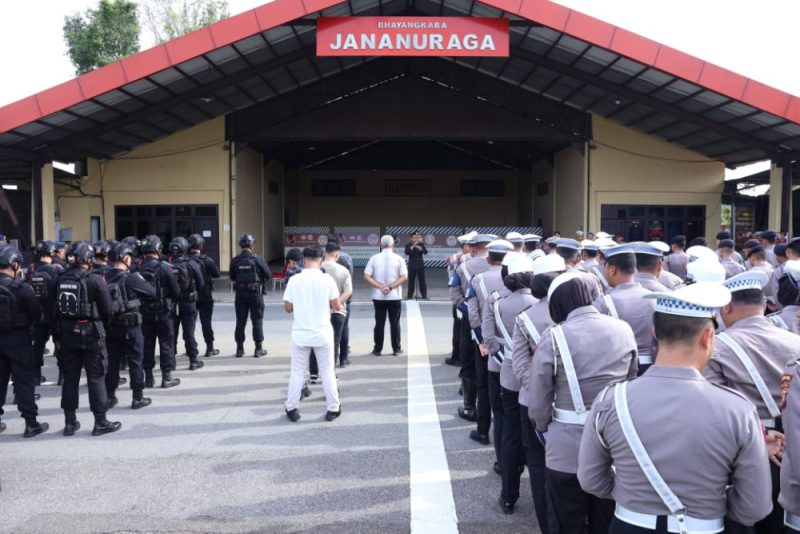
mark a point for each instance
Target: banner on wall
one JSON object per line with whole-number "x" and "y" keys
{"x": 361, "y": 242}
{"x": 441, "y": 241}
{"x": 300, "y": 237}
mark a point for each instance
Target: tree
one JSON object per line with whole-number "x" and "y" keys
{"x": 103, "y": 35}
{"x": 167, "y": 19}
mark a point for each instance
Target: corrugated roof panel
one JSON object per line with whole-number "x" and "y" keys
{"x": 540, "y": 39}
{"x": 491, "y": 66}
{"x": 32, "y": 128}
{"x": 540, "y": 79}
{"x": 516, "y": 70}
{"x": 789, "y": 129}
{"x": 222, "y": 55}
{"x": 195, "y": 66}
{"x": 481, "y": 10}
{"x": 628, "y": 114}
{"x": 303, "y": 71}
{"x": 765, "y": 119}
{"x": 683, "y": 87}
{"x": 58, "y": 119}
{"x": 582, "y": 98}
{"x": 233, "y": 66}
{"x": 251, "y": 44}
{"x": 280, "y": 80}
{"x": 326, "y": 65}
{"x": 590, "y": 65}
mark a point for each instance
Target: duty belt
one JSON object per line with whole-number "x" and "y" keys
{"x": 569, "y": 417}
{"x": 648, "y": 521}
{"x": 791, "y": 520}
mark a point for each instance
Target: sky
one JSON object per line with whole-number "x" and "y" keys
{"x": 754, "y": 38}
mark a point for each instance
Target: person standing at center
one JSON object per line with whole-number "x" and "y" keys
{"x": 415, "y": 250}
{"x": 386, "y": 272}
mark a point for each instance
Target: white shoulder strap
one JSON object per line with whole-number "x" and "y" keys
{"x": 758, "y": 380}
{"x": 612, "y": 309}
{"x": 670, "y": 500}
{"x": 569, "y": 369}
{"x": 596, "y": 271}
{"x": 533, "y": 332}
{"x": 778, "y": 321}
{"x": 499, "y": 322}
{"x": 466, "y": 271}
{"x": 482, "y": 285}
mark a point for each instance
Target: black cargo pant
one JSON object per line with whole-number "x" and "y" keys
{"x": 483, "y": 405}
{"x": 467, "y": 350}
{"x": 17, "y": 363}
{"x": 534, "y": 458}
{"x": 570, "y": 506}
{"x": 83, "y": 346}
{"x": 159, "y": 327}
{"x": 511, "y": 452}
{"x": 125, "y": 343}
{"x": 249, "y": 303}
{"x": 454, "y": 355}
{"x": 205, "y": 309}
{"x": 186, "y": 319}
{"x": 40, "y": 333}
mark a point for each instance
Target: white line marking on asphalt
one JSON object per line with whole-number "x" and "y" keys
{"x": 432, "y": 506}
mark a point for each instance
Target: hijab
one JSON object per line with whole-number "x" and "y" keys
{"x": 568, "y": 297}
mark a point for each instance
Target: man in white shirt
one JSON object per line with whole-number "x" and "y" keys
{"x": 311, "y": 295}
{"x": 386, "y": 272}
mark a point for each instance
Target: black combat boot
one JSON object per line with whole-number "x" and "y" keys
{"x": 104, "y": 426}
{"x": 195, "y": 364}
{"x": 139, "y": 400}
{"x": 211, "y": 351}
{"x": 60, "y": 381}
{"x": 71, "y": 423}
{"x": 149, "y": 381}
{"x": 260, "y": 351}
{"x": 34, "y": 428}
{"x": 2, "y": 426}
{"x": 239, "y": 350}
{"x": 167, "y": 381}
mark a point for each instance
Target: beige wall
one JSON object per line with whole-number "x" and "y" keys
{"x": 273, "y": 210}
{"x": 543, "y": 177}
{"x": 664, "y": 173}
{"x": 570, "y": 191}
{"x": 74, "y": 209}
{"x": 371, "y": 206}
{"x": 249, "y": 198}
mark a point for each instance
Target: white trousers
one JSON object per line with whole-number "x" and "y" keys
{"x": 299, "y": 366}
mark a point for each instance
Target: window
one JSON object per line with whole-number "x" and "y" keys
{"x": 483, "y": 188}
{"x": 650, "y": 223}
{"x": 333, "y": 188}
{"x": 205, "y": 211}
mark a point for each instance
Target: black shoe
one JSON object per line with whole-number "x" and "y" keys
{"x": 259, "y": 353}
{"x": 396, "y": 352}
{"x": 167, "y": 381}
{"x": 211, "y": 351}
{"x": 313, "y": 379}
{"x": 293, "y": 415}
{"x": 451, "y": 361}
{"x": 2, "y": 427}
{"x": 123, "y": 365}
{"x": 239, "y": 353}
{"x": 305, "y": 393}
{"x": 497, "y": 468}
{"x": 483, "y": 439}
{"x": 330, "y": 416}
{"x": 345, "y": 362}
{"x": 461, "y": 390}
{"x": 71, "y": 427}
{"x": 60, "y": 380}
{"x": 149, "y": 381}
{"x": 112, "y": 401}
{"x": 35, "y": 429}
{"x": 106, "y": 427}
{"x": 46, "y": 351}
{"x": 42, "y": 380}
{"x": 376, "y": 353}
{"x": 122, "y": 380}
{"x": 467, "y": 413}
{"x": 508, "y": 507}
{"x": 195, "y": 364}
{"x": 140, "y": 403}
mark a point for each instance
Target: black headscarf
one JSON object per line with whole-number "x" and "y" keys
{"x": 568, "y": 297}
{"x": 541, "y": 283}
{"x": 788, "y": 293}
{"x": 518, "y": 281}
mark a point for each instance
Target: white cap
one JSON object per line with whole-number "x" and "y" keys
{"x": 499, "y": 245}
{"x": 531, "y": 237}
{"x": 588, "y": 244}
{"x": 387, "y": 240}
{"x": 552, "y": 263}
{"x": 747, "y": 280}
{"x": 660, "y": 245}
{"x": 518, "y": 263}
{"x": 604, "y": 243}
{"x": 703, "y": 299}
{"x": 466, "y": 237}
{"x": 560, "y": 279}
{"x": 698, "y": 252}
{"x": 514, "y": 237}
{"x": 706, "y": 270}
{"x": 538, "y": 253}
{"x": 603, "y": 235}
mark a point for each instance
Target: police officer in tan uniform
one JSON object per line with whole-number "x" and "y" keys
{"x": 790, "y": 466}
{"x": 674, "y": 451}
{"x": 677, "y": 259}
{"x": 566, "y": 374}
{"x": 649, "y": 262}
{"x": 625, "y": 300}
{"x": 725, "y": 251}
{"x": 789, "y": 298}
{"x": 569, "y": 249}
{"x": 453, "y": 261}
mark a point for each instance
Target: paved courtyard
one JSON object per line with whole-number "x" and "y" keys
{"x": 217, "y": 454}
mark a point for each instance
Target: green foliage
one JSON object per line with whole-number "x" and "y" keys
{"x": 103, "y": 35}
{"x": 167, "y": 19}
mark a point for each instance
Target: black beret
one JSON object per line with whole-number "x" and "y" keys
{"x": 769, "y": 234}
{"x": 678, "y": 239}
{"x": 727, "y": 243}
{"x": 724, "y": 235}
{"x": 751, "y": 243}
{"x": 780, "y": 250}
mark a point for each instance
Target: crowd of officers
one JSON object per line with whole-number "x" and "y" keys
{"x": 645, "y": 392}
{"x": 105, "y": 305}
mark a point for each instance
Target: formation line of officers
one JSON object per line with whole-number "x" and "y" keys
{"x": 640, "y": 401}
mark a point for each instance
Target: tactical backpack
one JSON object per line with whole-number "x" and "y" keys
{"x": 150, "y": 272}
{"x": 72, "y": 297}
{"x": 118, "y": 290}
{"x": 247, "y": 275}
{"x": 11, "y": 315}
{"x": 40, "y": 281}
{"x": 185, "y": 278}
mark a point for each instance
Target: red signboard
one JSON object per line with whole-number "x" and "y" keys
{"x": 412, "y": 36}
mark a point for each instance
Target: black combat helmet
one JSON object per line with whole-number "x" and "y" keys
{"x": 44, "y": 248}
{"x": 196, "y": 241}
{"x": 101, "y": 249}
{"x": 8, "y": 256}
{"x": 81, "y": 252}
{"x": 151, "y": 244}
{"x": 178, "y": 246}
{"x": 119, "y": 252}
{"x": 247, "y": 240}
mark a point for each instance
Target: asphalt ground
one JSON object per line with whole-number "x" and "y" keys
{"x": 217, "y": 453}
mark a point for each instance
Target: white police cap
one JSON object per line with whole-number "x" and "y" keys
{"x": 747, "y": 280}
{"x": 588, "y": 244}
{"x": 478, "y": 239}
{"x": 538, "y": 253}
{"x": 619, "y": 249}
{"x": 792, "y": 268}
{"x": 466, "y": 237}
{"x": 698, "y": 252}
{"x": 706, "y": 270}
{"x": 604, "y": 243}
{"x": 514, "y": 237}
{"x": 531, "y": 237}
{"x": 703, "y": 300}
{"x": 640, "y": 247}
{"x": 660, "y": 245}
{"x": 565, "y": 242}
{"x": 552, "y": 263}
{"x": 603, "y": 235}
{"x": 518, "y": 263}
{"x": 499, "y": 246}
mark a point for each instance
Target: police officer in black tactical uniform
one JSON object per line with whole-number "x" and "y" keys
{"x": 249, "y": 274}
{"x": 125, "y": 339}
{"x": 100, "y": 261}
{"x": 58, "y": 255}
{"x": 42, "y": 276}
{"x": 19, "y": 310}
{"x": 157, "y": 313}
{"x": 190, "y": 277}
{"x": 205, "y": 295}
{"x": 82, "y": 308}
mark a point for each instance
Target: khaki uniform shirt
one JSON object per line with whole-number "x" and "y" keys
{"x": 771, "y": 289}
{"x": 790, "y": 466}
{"x": 789, "y": 316}
{"x": 700, "y": 437}
{"x": 732, "y": 268}
{"x": 603, "y": 351}
{"x": 524, "y": 344}
{"x": 769, "y": 348}
{"x": 769, "y": 254}
{"x": 464, "y": 273}
{"x": 635, "y": 310}
{"x": 670, "y": 280}
{"x": 479, "y": 307}
{"x": 510, "y": 305}
{"x": 676, "y": 263}
{"x": 649, "y": 282}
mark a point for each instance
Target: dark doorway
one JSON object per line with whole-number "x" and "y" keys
{"x": 653, "y": 223}
{"x": 168, "y": 222}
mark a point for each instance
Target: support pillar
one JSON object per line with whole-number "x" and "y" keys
{"x": 36, "y": 192}
{"x": 775, "y": 196}
{"x": 786, "y": 198}
{"x": 48, "y": 199}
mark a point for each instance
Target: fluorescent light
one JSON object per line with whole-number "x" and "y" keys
{"x": 11, "y": 187}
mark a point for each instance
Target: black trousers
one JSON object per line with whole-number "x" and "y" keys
{"x": 344, "y": 343}
{"x": 40, "y": 332}
{"x": 621, "y": 527}
{"x": 534, "y": 458}
{"x": 774, "y": 521}
{"x": 466, "y": 350}
{"x": 17, "y": 363}
{"x": 337, "y": 321}
{"x": 186, "y": 320}
{"x": 125, "y": 343}
{"x": 90, "y": 355}
{"x": 249, "y": 303}
{"x": 205, "y": 309}
{"x": 159, "y": 327}
{"x": 483, "y": 405}
{"x": 497, "y": 411}
{"x": 417, "y": 273}
{"x": 511, "y": 452}
{"x": 392, "y": 308}
{"x": 456, "y": 335}
{"x": 572, "y": 507}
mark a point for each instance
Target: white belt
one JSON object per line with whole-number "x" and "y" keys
{"x": 792, "y": 521}
{"x": 569, "y": 417}
{"x": 693, "y": 525}
{"x": 645, "y": 358}
{"x": 769, "y": 423}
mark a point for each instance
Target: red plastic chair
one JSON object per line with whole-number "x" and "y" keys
{"x": 279, "y": 279}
